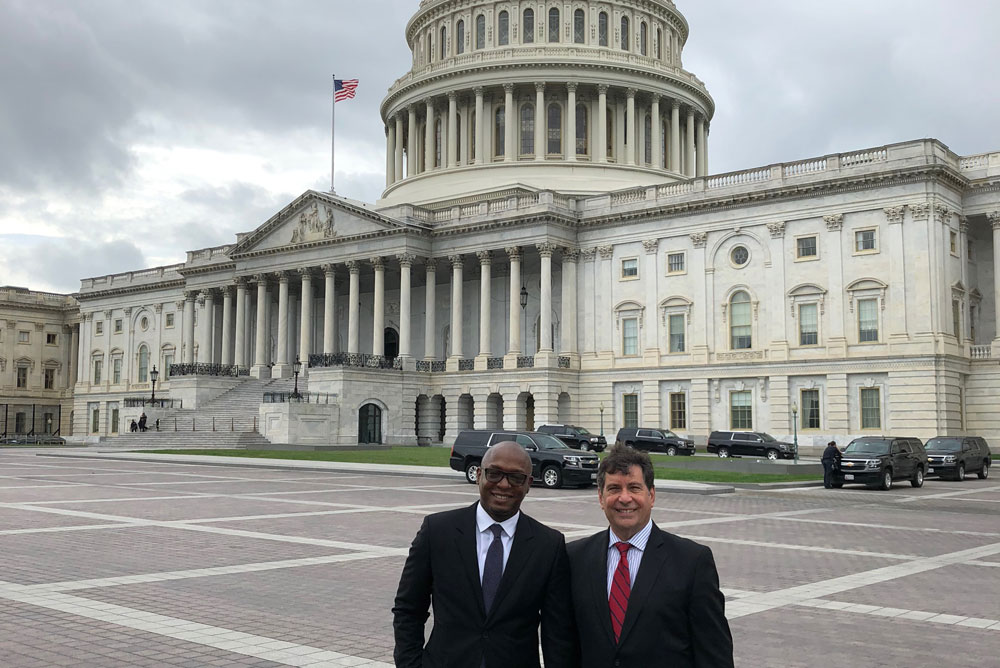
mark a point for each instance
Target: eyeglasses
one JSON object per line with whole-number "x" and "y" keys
{"x": 496, "y": 475}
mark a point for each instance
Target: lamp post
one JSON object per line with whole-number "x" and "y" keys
{"x": 296, "y": 368}
{"x": 153, "y": 375}
{"x": 795, "y": 430}
{"x": 524, "y": 321}
{"x": 602, "y": 418}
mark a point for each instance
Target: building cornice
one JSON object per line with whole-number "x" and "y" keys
{"x": 128, "y": 290}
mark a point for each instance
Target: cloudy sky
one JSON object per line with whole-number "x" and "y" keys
{"x": 134, "y": 130}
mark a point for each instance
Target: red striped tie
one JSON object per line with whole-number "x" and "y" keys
{"x": 621, "y": 586}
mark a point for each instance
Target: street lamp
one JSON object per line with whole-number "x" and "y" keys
{"x": 524, "y": 321}
{"x": 153, "y": 375}
{"x": 296, "y": 368}
{"x": 602, "y": 418}
{"x": 795, "y": 430}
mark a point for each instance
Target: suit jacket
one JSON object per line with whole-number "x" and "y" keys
{"x": 442, "y": 570}
{"x": 675, "y": 615}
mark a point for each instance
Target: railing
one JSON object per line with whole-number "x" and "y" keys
{"x": 805, "y": 167}
{"x": 201, "y": 369}
{"x": 356, "y": 360}
{"x": 195, "y": 423}
{"x": 423, "y": 365}
{"x": 563, "y": 362}
{"x": 466, "y": 365}
{"x": 739, "y": 178}
{"x": 298, "y": 398}
{"x": 142, "y": 402}
{"x": 627, "y": 196}
{"x": 981, "y": 352}
{"x": 526, "y": 362}
{"x": 974, "y": 162}
{"x": 864, "y": 157}
{"x": 494, "y": 363}
{"x": 437, "y": 365}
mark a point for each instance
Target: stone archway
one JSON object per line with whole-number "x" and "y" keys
{"x": 494, "y": 411}
{"x": 564, "y": 409}
{"x": 526, "y": 411}
{"x": 390, "y": 343}
{"x": 370, "y": 424}
{"x": 465, "y": 412}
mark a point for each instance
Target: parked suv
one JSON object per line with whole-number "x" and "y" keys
{"x": 662, "y": 440}
{"x": 575, "y": 437}
{"x": 877, "y": 461}
{"x": 552, "y": 462}
{"x": 749, "y": 443}
{"x": 954, "y": 456}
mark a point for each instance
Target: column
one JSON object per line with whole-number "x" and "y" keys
{"x": 378, "y": 307}
{"x": 994, "y": 220}
{"x": 282, "y": 369}
{"x": 478, "y": 90}
{"x": 188, "y": 342}
{"x": 73, "y": 372}
{"x": 704, "y": 143}
{"x": 456, "y": 306}
{"x": 329, "y": 310}
{"x": 227, "y": 325}
{"x": 689, "y": 148}
{"x": 485, "y": 299}
{"x": 630, "y": 126}
{"x": 620, "y": 131}
{"x": 601, "y": 150}
{"x": 509, "y": 121}
{"x": 207, "y": 348}
{"x": 589, "y": 298}
{"x": 411, "y": 141}
{"x": 897, "y": 326}
{"x": 405, "y": 263}
{"x": 539, "y": 120}
{"x": 353, "y": 307}
{"x": 305, "y": 317}
{"x": 675, "y": 136}
{"x": 240, "y": 358}
{"x": 464, "y": 133}
{"x": 430, "y": 306}
{"x": 569, "y": 258}
{"x": 700, "y": 149}
{"x": 545, "y": 318}
{"x": 429, "y": 152}
{"x": 259, "y": 369}
{"x": 605, "y": 282}
{"x": 399, "y": 147}
{"x": 657, "y": 140}
{"x": 514, "y": 335}
{"x": 571, "y": 121}
{"x": 390, "y": 153}
{"x": 452, "y": 128}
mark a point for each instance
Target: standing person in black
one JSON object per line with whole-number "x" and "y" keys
{"x": 831, "y": 462}
{"x": 491, "y": 574}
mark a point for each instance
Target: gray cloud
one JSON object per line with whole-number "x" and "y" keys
{"x": 59, "y": 264}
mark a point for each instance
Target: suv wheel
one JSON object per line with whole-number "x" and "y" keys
{"x": 585, "y": 446}
{"x": 772, "y": 454}
{"x": 960, "y": 472}
{"x": 552, "y": 477}
{"x": 472, "y": 472}
{"x": 918, "y": 478}
{"x": 723, "y": 452}
{"x": 671, "y": 450}
{"x": 984, "y": 472}
{"x": 886, "y": 480}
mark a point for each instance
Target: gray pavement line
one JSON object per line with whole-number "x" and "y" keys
{"x": 793, "y": 595}
{"x": 964, "y": 500}
{"x": 944, "y": 495}
{"x": 58, "y": 485}
{"x": 800, "y": 548}
{"x": 78, "y": 527}
{"x": 865, "y": 525}
{"x": 902, "y": 613}
{"x": 247, "y": 644}
{"x": 975, "y": 562}
{"x": 113, "y": 499}
{"x": 740, "y": 518}
{"x": 280, "y": 516}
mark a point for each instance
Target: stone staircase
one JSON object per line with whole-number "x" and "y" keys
{"x": 228, "y": 421}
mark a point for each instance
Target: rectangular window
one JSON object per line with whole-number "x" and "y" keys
{"x": 867, "y": 320}
{"x": 630, "y": 337}
{"x": 677, "y": 333}
{"x": 675, "y": 263}
{"x": 170, "y": 320}
{"x": 871, "y": 408}
{"x": 116, "y": 370}
{"x": 740, "y": 410}
{"x": 805, "y": 247}
{"x": 24, "y": 337}
{"x": 678, "y": 410}
{"x": 808, "y": 325}
{"x": 864, "y": 241}
{"x": 50, "y": 379}
{"x": 98, "y": 327}
{"x": 630, "y": 268}
{"x": 630, "y": 410}
{"x": 98, "y": 364}
{"x": 51, "y": 339}
{"x": 22, "y": 377}
{"x": 95, "y": 420}
{"x": 167, "y": 361}
{"x": 118, "y": 325}
{"x": 810, "y": 409}
{"x": 953, "y": 237}
{"x": 956, "y": 319}
{"x": 114, "y": 420}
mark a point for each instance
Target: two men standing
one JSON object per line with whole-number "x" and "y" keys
{"x": 630, "y": 596}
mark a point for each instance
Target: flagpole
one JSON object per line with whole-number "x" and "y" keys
{"x": 333, "y": 131}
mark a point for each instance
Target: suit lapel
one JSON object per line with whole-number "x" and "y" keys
{"x": 520, "y": 553}
{"x": 598, "y": 554}
{"x": 653, "y": 558}
{"x": 466, "y": 548}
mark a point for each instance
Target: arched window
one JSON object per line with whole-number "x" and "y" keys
{"x": 460, "y": 38}
{"x": 625, "y": 35}
{"x": 739, "y": 321}
{"x": 481, "y": 31}
{"x": 143, "y": 364}
{"x": 553, "y": 25}
{"x": 609, "y": 133}
{"x": 498, "y": 129}
{"x": 579, "y": 27}
{"x": 458, "y": 139}
{"x": 664, "y": 132}
{"x": 581, "y": 129}
{"x": 437, "y": 143}
{"x": 444, "y": 43}
{"x": 528, "y": 129}
{"x": 503, "y": 28}
{"x": 602, "y": 29}
{"x": 429, "y": 51}
{"x": 472, "y": 135}
{"x": 643, "y": 39}
{"x": 648, "y": 143}
{"x": 659, "y": 43}
{"x": 555, "y": 129}
{"x": 528, "y": 34}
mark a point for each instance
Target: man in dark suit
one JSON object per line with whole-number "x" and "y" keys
{"x": 643, "y": 597}
{"x": 491, "y": 573}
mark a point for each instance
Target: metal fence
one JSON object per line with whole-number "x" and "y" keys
{"x": 301, "y": 398}
{"x": 30, "y": 419}
{"x": 357, "y": 360}
{"x": 208, "y": 370}
{"x": 144, "y": 402}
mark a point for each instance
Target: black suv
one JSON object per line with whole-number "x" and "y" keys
{"x": 954, "y": 456}
{"x": 664, "y": 440}
{"x": 749, "y": 443}
{"x": 575, "y": 437}
{"x": 552, "y": 463}
{"x": 879, "y": 460}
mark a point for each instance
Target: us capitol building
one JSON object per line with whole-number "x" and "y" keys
{"x": 552, "y": 247}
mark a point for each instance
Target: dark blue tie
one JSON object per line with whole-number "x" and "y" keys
{"x": 493, "y": 568}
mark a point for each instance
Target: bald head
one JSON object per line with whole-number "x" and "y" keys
{"x": 509, "y": 451}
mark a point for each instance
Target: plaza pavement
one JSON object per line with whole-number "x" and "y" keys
{"x": 108, "y": 562}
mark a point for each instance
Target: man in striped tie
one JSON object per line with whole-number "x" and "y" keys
{"x": 643, "y": 597}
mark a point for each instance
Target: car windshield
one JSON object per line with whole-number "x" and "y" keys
{"x": 767, "y": 438}
{"x": 546, "y": 442}
{"x": 867, "y": 447}
{"x": 946, "y": 444}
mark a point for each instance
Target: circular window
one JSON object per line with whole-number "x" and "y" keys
{"x": 144, "y": 323}
{"x": 739, "y": 256}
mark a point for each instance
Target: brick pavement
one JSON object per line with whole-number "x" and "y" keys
{"x": 111, "y": 563}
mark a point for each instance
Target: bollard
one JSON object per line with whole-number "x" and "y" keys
{"x": 232, "y": 424}
{"x": 213, "y": 423}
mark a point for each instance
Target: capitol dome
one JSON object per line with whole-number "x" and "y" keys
{"x": 578, "y": 97}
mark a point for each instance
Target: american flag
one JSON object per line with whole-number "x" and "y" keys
{"x": 344, "y": 89}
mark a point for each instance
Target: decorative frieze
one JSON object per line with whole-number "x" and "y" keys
{"x": 741, "y": 356}
{"x": 606, "y": 252}
{"x": 699, "y": 239}
{"x": 920, "y": 211}
{"x": 570, "y": 254}
{"x": 777, "y": 229}
{"x": 942, "y": 214}
{"x": 894, "y": 214}
{"x": 588, "y": 254}
{"x": 834, "y": 221}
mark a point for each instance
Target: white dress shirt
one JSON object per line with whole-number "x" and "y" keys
{"x": 637, "y": 546}
{"x": 484, "y": 536}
